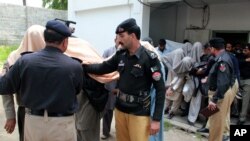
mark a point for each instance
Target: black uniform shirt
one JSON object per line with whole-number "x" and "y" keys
{"x": 221, "y": 76}
{"x": 136, "y": 75}
{"x": 244, "y": 68}
{"x": 46, "y": 80}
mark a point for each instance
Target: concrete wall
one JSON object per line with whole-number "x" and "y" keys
{"x": 98, "y": 19}
{"x": 163, "y": 24}
{"x": 225, "y": 16}
{"x": 14, "y": 21}
{"x": 171, "y": 23}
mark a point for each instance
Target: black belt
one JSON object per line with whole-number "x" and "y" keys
{"x": 50, "y": 114}
{"x": 132, "y": 98}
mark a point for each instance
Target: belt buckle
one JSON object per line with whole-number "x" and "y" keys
{"x": 122, "y": 97}
{"x": 130, "y": 99}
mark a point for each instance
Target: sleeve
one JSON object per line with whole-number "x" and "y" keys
{"x": 10, "y": 82}
{"x": 88, "y": 82}
{"x": 223, "y": 81}
{"x": 9, "y": 106}
{"x": 104, "y": 67}
{"x": 8, "y": 100}
{"x": 78, "y": 79}
{"x": 159, "y": 86}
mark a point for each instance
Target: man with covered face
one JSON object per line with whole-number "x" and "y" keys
{"x": 139, "y": 68}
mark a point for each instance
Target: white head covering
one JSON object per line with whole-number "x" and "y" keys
{"x": 197, "y": 51}
{"x": 187, "y": 47}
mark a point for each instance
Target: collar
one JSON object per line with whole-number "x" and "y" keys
{"x": 219, "y": 55}
{"x": 138, "y": 52}
{"x": 53, "y": 49}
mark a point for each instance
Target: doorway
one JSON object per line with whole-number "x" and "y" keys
{"x": 232, "y": 37}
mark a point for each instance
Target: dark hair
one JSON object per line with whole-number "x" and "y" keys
{"x": 136, "y": 30}
{"x": 185, "y": 41}
{"x": 207, "y": 45}
{"x": 162, "y": 42}
{"x": 218, "y": 43}
{"x": 53, "y": 37}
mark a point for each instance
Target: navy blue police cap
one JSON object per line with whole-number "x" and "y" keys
{"x": 126, "y": 25}
{"x": 58, "y": 27}
{"x": 217, "y": 42}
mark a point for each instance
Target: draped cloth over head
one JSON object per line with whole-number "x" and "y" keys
{"x": 187, "y": 48}
{"x": 33, "y": 41}
{"x": 197, "y": 52}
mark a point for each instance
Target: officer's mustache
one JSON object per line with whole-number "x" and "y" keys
{"x": 120, "y": 43}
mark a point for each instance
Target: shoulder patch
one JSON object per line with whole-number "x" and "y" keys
{"x": 151, "y": 54}
{"x": 27, "y": 52}
{"x": 77, "y": 59}
{"x": 222, "y": 67}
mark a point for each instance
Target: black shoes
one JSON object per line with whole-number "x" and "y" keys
{"x": 190, "y": 123}
{"x": 240, "y": 122}
{"x": 104, "y": 137}
{"x": 203, "y": 130}
{"x": 170, "y": 115}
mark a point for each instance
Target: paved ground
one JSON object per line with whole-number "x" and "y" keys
{"x": 177, "y": 129}
{"x": 174, "y": 133}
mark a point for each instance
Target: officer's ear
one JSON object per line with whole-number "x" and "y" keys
{"x": 64, "y": 44}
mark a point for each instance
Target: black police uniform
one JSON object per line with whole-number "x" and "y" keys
{"x": 221, "y": 76}
{"x": 47, "y": 80}
{"x": 136, "y": 77}
{"x": 222, "y": 86}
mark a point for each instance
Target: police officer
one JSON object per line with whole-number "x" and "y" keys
{"x": 48, "y": 82}
{"x": 139, "y": 68}
{"x": 222, "y": 82}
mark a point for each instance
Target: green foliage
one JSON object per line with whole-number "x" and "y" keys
{"x": 4, "y": 52}
{"x": 56, "y": 4}
{"x": 198, "y": 136}
{"x": 167, "y": 126}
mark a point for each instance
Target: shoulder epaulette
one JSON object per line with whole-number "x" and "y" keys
{"x": 77, "y": 59}
{"x": 27, "y": 52}
{"x": 151, "y": 54}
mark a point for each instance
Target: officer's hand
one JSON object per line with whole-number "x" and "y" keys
{"x": 154, "y": 127}
{"x": 212, "y": 106}
{"x": 10, "y": 125}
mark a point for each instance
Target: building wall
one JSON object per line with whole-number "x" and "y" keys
{"x": 231, "y": 17}
{"x": 163, "y": 24}
{"x": 15, "y": 20}
{"x": 228, "y": 16}
{"x": 98, "y": 19}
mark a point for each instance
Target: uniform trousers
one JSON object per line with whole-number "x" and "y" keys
{"x": 44, "y": 128}
{"x": 245, "y": 84}
{"x": 220, "y": 121}
{"x": 130, "y": 127}
{"x": 235, "y": 89}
